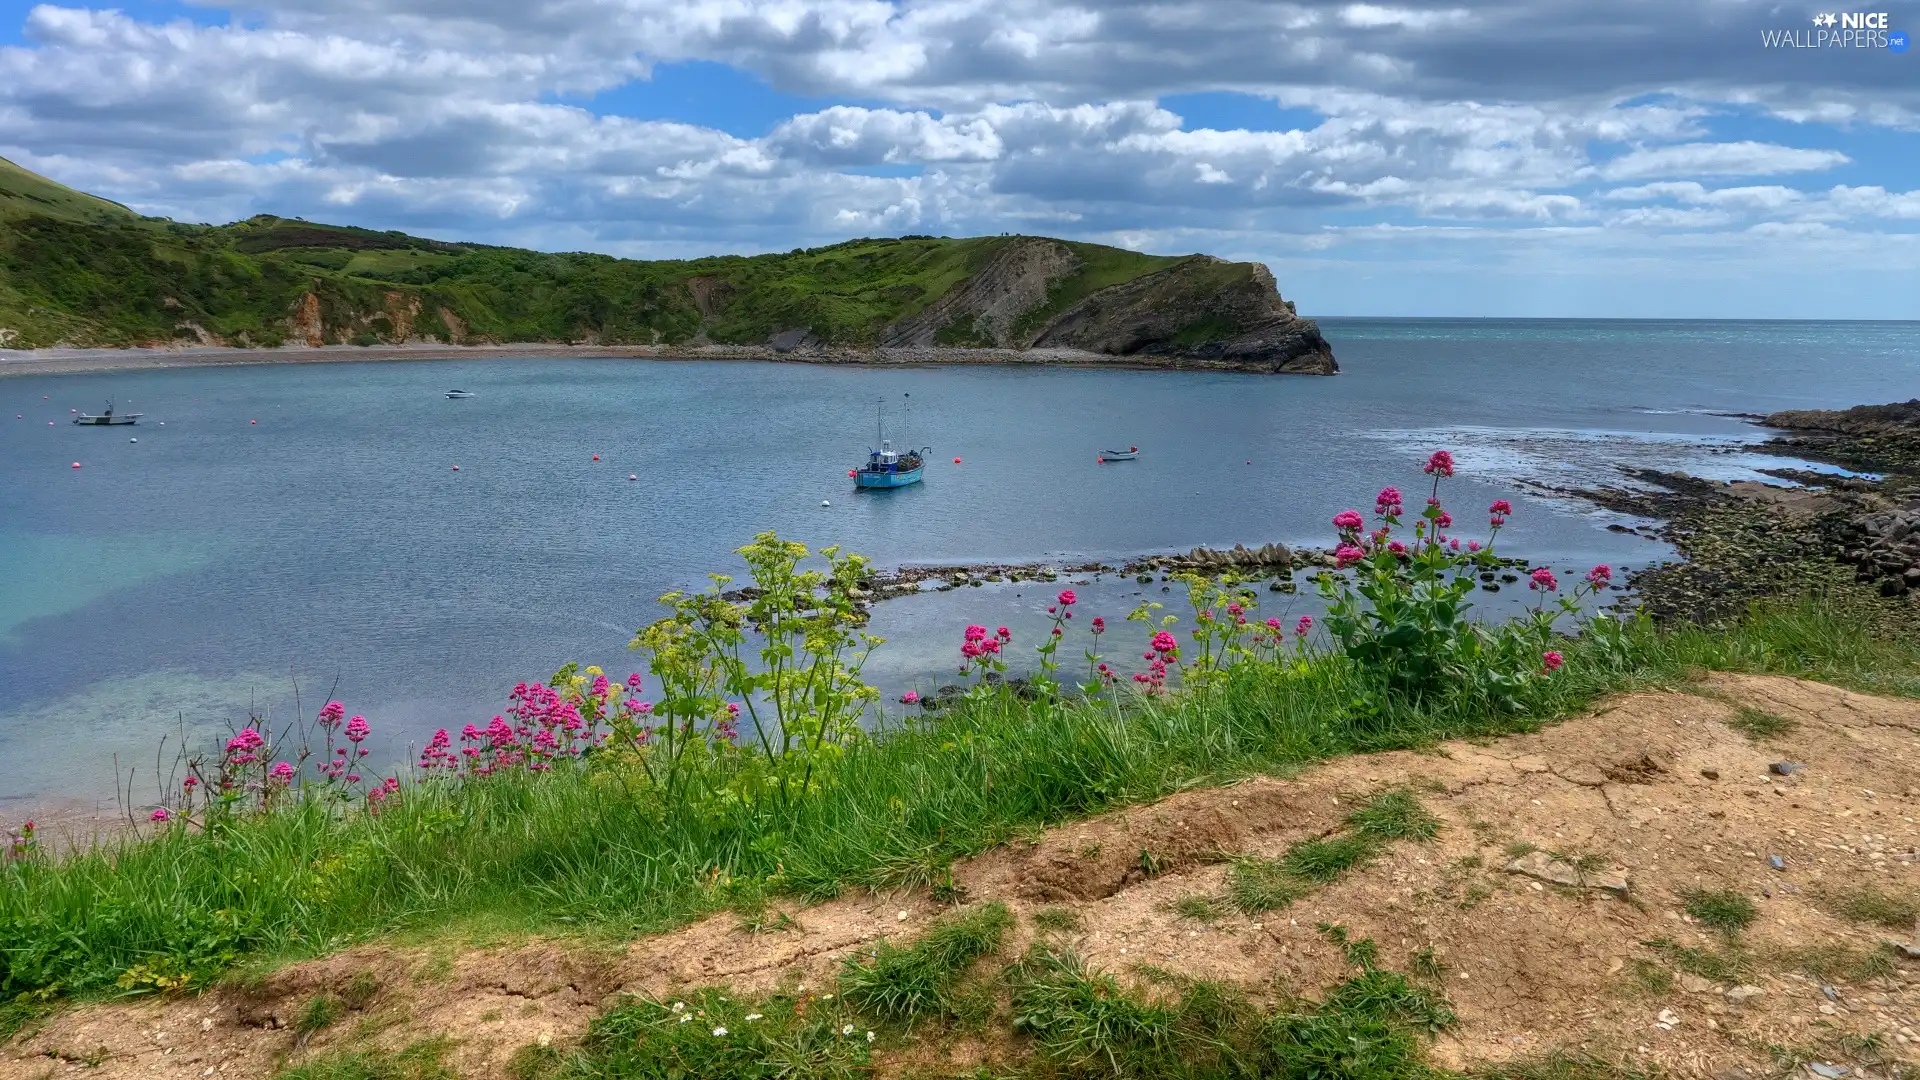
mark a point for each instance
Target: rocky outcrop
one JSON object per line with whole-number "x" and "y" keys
{"x": 1200, "y": 312}
{"x": 1884, "y": 546}
{"x": 1204, "y": 312}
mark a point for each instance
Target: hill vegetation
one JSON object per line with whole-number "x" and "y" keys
{"x": 80, "y": 271}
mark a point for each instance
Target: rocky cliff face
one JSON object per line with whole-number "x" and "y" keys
{"x": 1200, "y": 312}
{"x": 1204, "y": 312}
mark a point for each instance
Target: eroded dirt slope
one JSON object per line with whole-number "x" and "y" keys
{"x": 1653, "y": 788}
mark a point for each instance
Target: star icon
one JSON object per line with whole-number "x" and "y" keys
{"x": 1824, "y": 20}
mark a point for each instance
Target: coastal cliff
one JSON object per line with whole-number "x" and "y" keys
{"x": 81, "y": 272}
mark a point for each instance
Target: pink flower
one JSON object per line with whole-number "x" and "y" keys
{"x": 1397, "y": 548}
{"x": 1600, "y": 575}
{"x": 1500, "y": 506}
{"x": 1544, "y": 580}
{"x": 1099, "y": 625}
{"x": 633, "y": 682}
{"x": 1067, "y": 599}
{"x": 600, "y": 686}
{"x": 331, "y": 712}
{"x": 990, "y": 645}
{"x": 1473, "y": 545}
{"x": 1443, "y": 521}
{"x": 1004, "y": 634}
{"x": 1387, "y": 503}
{"x": 910, "y": 697}
{"x": 1348, "y": 519}
{"x": 1453, "y": 544}
{"x": 391, "y": 783}
{"x": 159, "y": 814}
{"x": 1496, "y": 521}
{"x": 1346, "y": 555}
{"x": 1552, "y": 660}
{"x": 282, "y": 772}
{"x": 1273, "y": 625}
{"x": 1164, "y": 642}
{"x": 1440, "y": 464}
{"x": 975, "y": 633}
{"x": 190, "y": 783}
{"x": 1234, "y": 609}
{"x": 970, "y": 649}
{"x": 1305, "y": 624}
{"x": 357, "y": 729}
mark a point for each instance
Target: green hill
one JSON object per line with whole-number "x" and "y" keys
{"x": 80, "y": 271}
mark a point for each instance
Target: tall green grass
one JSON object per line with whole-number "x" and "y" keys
{"x": 584, "y": 850}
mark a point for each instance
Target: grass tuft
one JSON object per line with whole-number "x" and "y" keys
{"x": 1758, "y": 724}
{"x": 1257, "y": 885}
{"x": 421, "y": 1061}
{"x": 1722, "y": 909}
{"x": 1059, "y": 920}
{"x": 1394, "y": 815}
{"x": 915, "y": 981}
{"x": 1873, "y": 906}
{"x": 714, "y": 1035}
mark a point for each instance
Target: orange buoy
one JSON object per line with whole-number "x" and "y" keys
{"x": 1133, "y": 449}
{"x": 596, "y": 457}
{"x": 1102, "y": 461}
{"x": 76, "y": 464}
{"x": 956, "y": 461}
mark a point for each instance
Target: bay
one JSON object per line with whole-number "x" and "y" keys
{"x": 276, "y": 523}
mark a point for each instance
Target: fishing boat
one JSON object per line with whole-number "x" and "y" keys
{"x": 887, "y": 467}
{"x": 1128, "y": 454}
{"x": 459, "y": 393}
{"x": 107, "y": 418}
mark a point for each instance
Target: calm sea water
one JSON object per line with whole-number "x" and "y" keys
{"x": 276, "y": 525}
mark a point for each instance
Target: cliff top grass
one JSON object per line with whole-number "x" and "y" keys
{"x": 81, "y": 270}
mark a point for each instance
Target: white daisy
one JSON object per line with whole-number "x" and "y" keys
{"x": 719, "y": 1032}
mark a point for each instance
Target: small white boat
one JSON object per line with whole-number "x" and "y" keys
{"x": 1128, "y": 454}
{"x": 107, "y": 419}
{"x": 459, "y": 394}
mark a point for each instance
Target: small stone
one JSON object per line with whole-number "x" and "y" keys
{"x": 1826, "y": 1071}
{"x": 1694, "y": 984}
{"x": 1740, "y": 995}
{"x": 1776, "y": 862}
{"x": 1785, "y": 768}
{"x": 1711, "y": 774}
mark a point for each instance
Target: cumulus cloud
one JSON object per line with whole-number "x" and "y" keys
{"x": 1719, "y": 159}
{"x": 1496, "y": 121}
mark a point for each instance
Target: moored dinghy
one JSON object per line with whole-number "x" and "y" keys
{"x": 1128, "y": 454}
{"x": 107, "y": 418}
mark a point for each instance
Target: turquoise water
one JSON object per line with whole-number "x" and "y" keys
{"x": 305, "y": 522}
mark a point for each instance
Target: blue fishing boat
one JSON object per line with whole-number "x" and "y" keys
{"x": 887, "y": 467}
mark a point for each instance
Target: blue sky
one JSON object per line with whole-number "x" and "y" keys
{"x": 1550, "y": 158}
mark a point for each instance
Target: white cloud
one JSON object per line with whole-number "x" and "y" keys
{"x": 1484, "y": 119}
{"x": 1719, "y": 159}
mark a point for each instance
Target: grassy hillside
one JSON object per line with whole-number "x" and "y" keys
{"x": 80, "y": 271}
{"x": 24, "y": 193}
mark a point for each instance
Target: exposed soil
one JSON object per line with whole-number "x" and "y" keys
{"x": 1654, "y": 787}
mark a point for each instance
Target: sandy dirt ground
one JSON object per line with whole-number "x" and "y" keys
{"x": 1654, "y": 794}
